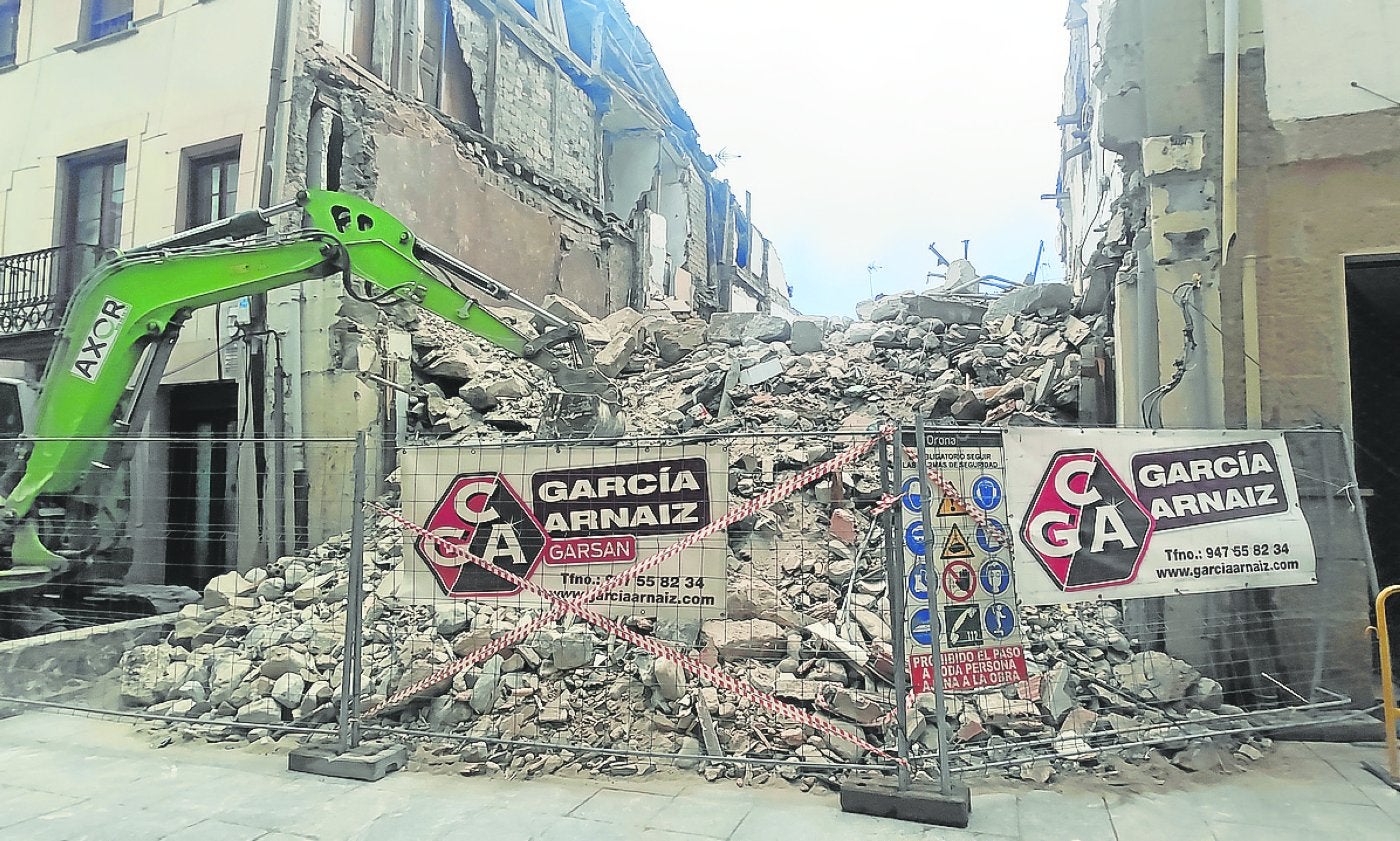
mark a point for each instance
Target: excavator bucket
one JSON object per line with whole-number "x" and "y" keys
{"x": 580, "y": 416}
{"x": 31, "y": 564}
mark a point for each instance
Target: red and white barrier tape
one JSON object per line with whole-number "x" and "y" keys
{"x": 562, "y": 607}
{"x": 951, "y": 492}
{"x": 649, "y": 644}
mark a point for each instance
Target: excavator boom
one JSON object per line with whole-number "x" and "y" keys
{"x": 141, "y": 298}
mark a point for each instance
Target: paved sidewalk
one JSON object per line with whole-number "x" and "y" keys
{"x": 70, "y": 779}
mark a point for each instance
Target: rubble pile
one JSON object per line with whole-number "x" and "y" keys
{"x": 806, "y": 613}
{"x": 958, "y": 360}
{"x": 264, "y": 650}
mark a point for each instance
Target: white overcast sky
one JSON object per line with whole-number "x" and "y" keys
{"x": 868, "y": 130}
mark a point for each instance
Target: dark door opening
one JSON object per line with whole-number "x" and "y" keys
{"x": 203, "y": 505}
{"x": 1373, "y": 319}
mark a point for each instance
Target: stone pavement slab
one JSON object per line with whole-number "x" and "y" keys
{"x": 70, "y": 778}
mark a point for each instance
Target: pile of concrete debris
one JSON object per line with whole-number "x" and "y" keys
{"x": 805, "y": 621}
{"x": 806, "y": 612}
{"x": 959, "y": 360}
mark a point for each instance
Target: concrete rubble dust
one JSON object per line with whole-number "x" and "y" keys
{"x": 805, "y": 614}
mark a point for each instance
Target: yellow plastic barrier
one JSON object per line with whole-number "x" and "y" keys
{"x": 1392, "y": 711}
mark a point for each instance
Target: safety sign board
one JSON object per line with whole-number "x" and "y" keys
{"x": 914, "y": 538}
{"x": 1119, "y": 513}
{"x": 986, "y": 492}
{"x": 918, "y": 581}
{"x": 972, "y": 603}
{"x": 995, "y": 576}
{"x": 564, "y": 519}
{"x": 950, "y": 507}
{"x": 992, "y": 536}
{"x": 959, "y": 581}
{"x": 955, "y": 547}
{"x": 910, "y": 494}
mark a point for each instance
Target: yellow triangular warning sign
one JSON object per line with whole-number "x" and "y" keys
{"x": 950, "y": 507}
{"x": 956, "y": 547}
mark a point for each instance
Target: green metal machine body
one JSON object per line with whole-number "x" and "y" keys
{"x": 131, "y": 307}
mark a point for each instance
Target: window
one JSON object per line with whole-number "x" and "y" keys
{"x": 9, "y": 31}
{"x": 213, "y": 188}
{"x": 95, "y": 187}
{"x": 107, "y": 17}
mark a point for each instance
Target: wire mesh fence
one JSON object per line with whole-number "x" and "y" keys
{"x": 721, "y": 602}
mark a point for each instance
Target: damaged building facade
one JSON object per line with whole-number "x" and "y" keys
{"x": 1228, "y": 181}
{"x": 538, "y": 140}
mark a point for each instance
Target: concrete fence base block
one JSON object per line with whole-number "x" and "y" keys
{"x": 921, "y": 803}
{"x": 368, "y": 762}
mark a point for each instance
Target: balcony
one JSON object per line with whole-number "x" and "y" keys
{"x": 35, "y": 287}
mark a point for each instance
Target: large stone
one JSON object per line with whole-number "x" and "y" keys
{"x": 283, "y": 660}
{"x": 487, "y": 686}
{"x": 677, "y": 340}
{"x": 143, "y": 671}
{"x": 1029, "y": 300}
{"x": 888, "y": 309}
{"x": 751, "y": 638}
{"x": 622, "y": 322}
{"x": 616, "y": 355}
{"x": 454, "y": 362}
{"x": 861, "y": 331}
{"x": 288, "y": 690}
{"x": 573, "y": 649}
{"x": 733, "y": 328}
{"x": 452, "y": 618}
{"x": 751, "y": 598}
{"x": 946, "y": 310}
{"x": 808, "y": 334}
{"x": 1155, "y": 675}
{"x": 670, "y": 679}
{"x": 508, "y": 388}
{"x": 570, "y": 311}
{"x": 230, "y": 589}
{"x": 260, "y": 711}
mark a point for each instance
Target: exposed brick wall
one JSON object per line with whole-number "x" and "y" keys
{"x": 576, "y": 140}
{"x": 524, "y": 102}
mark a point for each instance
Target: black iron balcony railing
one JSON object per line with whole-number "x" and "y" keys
{"x": 35, "y": 287}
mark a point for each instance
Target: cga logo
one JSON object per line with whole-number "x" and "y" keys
{"x": 1085, "y": 525}
{"x": 482, "y": 514}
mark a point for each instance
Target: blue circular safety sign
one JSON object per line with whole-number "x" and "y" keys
{"x": 999, "y": 620}
{"x": 986, "y": 492}
{"x": 991, "y": 539}
{"x": 918, "y": 581}
{"x": 914, "y": 538}
{"x": 996, "y": 577}
{"x": 913, "y": 495}
{"x": 921, "y": 627}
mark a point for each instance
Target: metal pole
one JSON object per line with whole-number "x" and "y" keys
{"x": 354, "y": 609}
{"x": 894, "y": 576}
{"x": 1358, "y": 503}
{"x": 935, "y": 576}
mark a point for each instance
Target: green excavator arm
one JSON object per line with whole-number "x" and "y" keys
{"x": 141, "y": 297}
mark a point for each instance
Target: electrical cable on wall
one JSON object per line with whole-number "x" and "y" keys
{"x": 1151, "y": 405}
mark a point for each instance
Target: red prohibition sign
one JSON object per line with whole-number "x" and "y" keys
{"x": 959, "y": 581}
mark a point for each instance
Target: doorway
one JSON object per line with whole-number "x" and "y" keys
{"x": 202, "y": 483}
{"x": 1373, "y": 313}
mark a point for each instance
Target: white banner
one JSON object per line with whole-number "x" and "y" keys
{"x": 1128, "y": 513}
{"x": 566, "y": 518}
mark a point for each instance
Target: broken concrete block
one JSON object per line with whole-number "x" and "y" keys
{"x": 945, "y": 310}
{"x": 808, "y": 335}
{"x": 675, "y": 341}
{"x": 888, "y": 309}
{"x": 622, "y": 322}
{"x": 1030, "y": 299}
{"x": 861, "y": 331}
{"x": 762, "y": 372}
{"x": 748, "y": 638}
{"x": 617, "y": 354}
